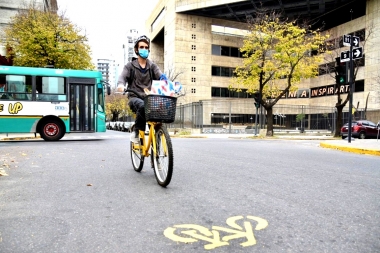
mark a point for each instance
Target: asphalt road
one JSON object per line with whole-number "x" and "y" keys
{"x": 226, "y": 195}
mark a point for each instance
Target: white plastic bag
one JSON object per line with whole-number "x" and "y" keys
{"x": 166, "y": 88}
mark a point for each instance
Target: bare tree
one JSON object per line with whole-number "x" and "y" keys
{"x": 172, "y": 73}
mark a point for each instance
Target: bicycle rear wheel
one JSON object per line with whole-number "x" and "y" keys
{"x": 162, "y": 159}
{"x": 136, "y": 156}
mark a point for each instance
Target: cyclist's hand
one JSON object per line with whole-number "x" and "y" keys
{"x": 120, "y": 88}
{"x": 163, "y": 77}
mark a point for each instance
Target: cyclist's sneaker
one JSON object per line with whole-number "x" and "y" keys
{"x": 135, "y": 137}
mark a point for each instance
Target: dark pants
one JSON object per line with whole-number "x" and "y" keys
{"x": 137, "y": 106}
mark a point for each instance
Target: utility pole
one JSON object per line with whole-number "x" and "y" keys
{"x": 352, "y": 54}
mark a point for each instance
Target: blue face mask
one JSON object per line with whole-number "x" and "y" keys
{"x": 144, "y": 53}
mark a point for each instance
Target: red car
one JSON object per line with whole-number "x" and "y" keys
{"x": 360, "y": 129}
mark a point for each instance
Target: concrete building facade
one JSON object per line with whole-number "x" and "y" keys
{"x": 109, "y": 70}
{"x": 9, "y": 8}
{"x": 205, "y": 51}
{"x": 132, "y": 35}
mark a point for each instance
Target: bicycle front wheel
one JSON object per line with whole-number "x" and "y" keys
{"x": 136, "y": 156}
{"x": 162, "y": 157}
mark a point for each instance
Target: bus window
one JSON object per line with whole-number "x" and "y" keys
{"x": 100, "y": 99}
{"x": 19, "y": 87}
{"x": 3, "y": 88}
{"x": 50, "y": 88}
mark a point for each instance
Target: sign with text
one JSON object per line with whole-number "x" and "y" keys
{"x": 345, "y": 56}
{"x": 347, "y": 40}
{"x": 356, "y": 54}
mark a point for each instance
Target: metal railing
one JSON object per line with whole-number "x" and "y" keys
{"x": 235, "y": 116}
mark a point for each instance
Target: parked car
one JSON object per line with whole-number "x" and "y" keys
{"x": 133, "y": 126}
{"x": 128, "y": 126}
{"x": 360, "y": 129}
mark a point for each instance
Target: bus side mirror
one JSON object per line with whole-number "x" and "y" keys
{"x": 378, "y": 124}
{"x": 108, "y": 89}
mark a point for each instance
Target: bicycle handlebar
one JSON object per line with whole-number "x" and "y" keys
{"x": 129, "y": 90}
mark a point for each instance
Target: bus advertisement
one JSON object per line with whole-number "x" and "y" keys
{"x": 51, "y": 102}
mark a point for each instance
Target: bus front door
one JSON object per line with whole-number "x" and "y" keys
{"x": 82, "y": 105}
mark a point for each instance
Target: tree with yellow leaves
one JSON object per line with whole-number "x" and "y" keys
{"x": 38, "y": 38}
{"x": 277, "y": 55}
{"x": 116, "y": 106}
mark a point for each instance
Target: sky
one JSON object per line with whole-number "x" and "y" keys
{"x": 106, "y": 22}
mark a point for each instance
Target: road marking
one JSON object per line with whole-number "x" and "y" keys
{"x": 189, "y": 233}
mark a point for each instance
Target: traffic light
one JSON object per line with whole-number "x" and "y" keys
{"x": 340, "y": 72}
{"x": 257, "y": 98}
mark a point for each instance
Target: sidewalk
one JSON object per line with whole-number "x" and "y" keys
{"x": 359, "y": 146}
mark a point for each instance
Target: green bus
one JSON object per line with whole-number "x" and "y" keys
{"x": 51, "y": 102}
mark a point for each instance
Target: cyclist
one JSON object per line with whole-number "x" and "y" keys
{"x": 139, "y": 74}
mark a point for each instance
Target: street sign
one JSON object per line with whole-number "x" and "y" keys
{"x": 347, "y": 40}
{"x": 357, "y": 53}
{"x": 345, "y": 56}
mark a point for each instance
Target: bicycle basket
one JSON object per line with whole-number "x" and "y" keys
{"x": 160, "y": 108}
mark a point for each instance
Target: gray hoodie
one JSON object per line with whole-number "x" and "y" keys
{"x": 141, "y": 80}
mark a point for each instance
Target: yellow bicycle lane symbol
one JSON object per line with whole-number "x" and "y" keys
{"x": 189, "y": 233}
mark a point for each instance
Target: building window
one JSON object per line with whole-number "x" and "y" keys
{"x": 193, "y": 90}
{"x": 225, "y": 71}
{"x": 215, "y": 92}
{"x": 215, "y": 50}
{"x": 193, "y": 47}
{"x": 215, "y": 71}
{"x": 222, "y": 71}
{"x": 193, "y": 58}
{"x": 193, "y": 26}
{"x": 226, "y": 51}
{"x": 359, "y": 85}
{"x": 193, "y": 69}
{"x": 193, "y": 36}
{"x": 234, "y": 52}
{"x": 227, "y": 93}
{"x": 193, "y": 79}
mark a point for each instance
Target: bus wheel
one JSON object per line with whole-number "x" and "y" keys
{"x": 51, "y": 130}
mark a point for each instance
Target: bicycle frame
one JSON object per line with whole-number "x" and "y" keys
{"x": 146, "y": 143}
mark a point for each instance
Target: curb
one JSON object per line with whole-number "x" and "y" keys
{"x": 18, "y": 138}
{"x": 351, "y": 149}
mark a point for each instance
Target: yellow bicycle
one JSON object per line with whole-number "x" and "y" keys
{"x": 158, "y": 145}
